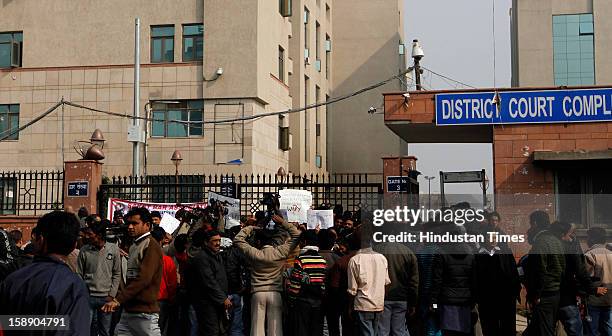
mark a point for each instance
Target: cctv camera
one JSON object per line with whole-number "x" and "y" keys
{"x": 406, "y": 95}
{"x": 219, "y": 71}
{"x": 372, "y": 110}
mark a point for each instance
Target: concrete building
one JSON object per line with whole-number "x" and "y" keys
{"x": 560, "y": 42}
{"x": 83, "y": 51}
{"x": 367, "y": 48}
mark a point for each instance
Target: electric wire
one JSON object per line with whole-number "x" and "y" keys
{"x": 446, "y": 77}
{"x": 62, "y": 102}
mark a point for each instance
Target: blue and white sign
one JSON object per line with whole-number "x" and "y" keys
{"x": 397, "y": 183}
{"x": 78, "y": 189}
{"x": 524, "y": 107}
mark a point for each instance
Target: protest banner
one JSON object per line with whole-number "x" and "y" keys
{"x": 115, "y": 204}
{"x": 324, "y": 219}
{"x": 231, "y": 204}
{"x": 296, "y": 202}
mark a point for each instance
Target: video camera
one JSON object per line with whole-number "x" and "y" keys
{"x": 272, "y": 204}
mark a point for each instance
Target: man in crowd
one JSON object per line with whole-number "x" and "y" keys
{"x": 167, "y": 289}
{"x": 156, "y": 217}
{"x": 368, "y": 275}
{"x": 237, "y": 281}
{"x": 267, "y": 263}
{"x": 401, "y": 296}
{"x": 599, "y": 265}
{"x": 207, "y": 286}
{"x": 47, "y": 287}
{"x": 545, "y": 267}
{"x": 138, "y": 295}
{"x": 306, "y": 289}
{"x": 99, "y": 265}
{"x": 17, "y": 238}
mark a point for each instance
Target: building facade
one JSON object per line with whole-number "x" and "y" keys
{"x": 368, "y": 47}
{"x": 201, "y": 62}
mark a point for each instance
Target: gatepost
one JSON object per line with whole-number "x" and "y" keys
{"x": 82, "y": 180}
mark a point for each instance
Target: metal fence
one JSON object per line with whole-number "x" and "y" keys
{"x": 31, "y": 192}
{"x": 352, "y": 191}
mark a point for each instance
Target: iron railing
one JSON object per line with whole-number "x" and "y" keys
{"x": 31, "y": 192}
{"x": 352, "y": 191}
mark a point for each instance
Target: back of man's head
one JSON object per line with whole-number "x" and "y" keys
{"x": 180, "y": 243}
{"x": 596, "y": 235}
{"x": 158, "y": 233}
{"x": 309, "y": 238}
{"x": 60, "y": 231}
{"x": 539, "y": 219}
{"x": 16, "y": 236}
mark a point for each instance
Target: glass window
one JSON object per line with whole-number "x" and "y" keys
{"x": 9, "y": 120}
{"x": 193, "y": 42}
{"x": 281, "y": 64}
{"x": 191, "y": 112}
{"x": 11, "y": 45}
{"x": 584, "y": 198}
{"x": 573, "y": 49}
{"x": 162, "y": 44}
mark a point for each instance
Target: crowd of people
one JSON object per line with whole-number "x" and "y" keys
{"x": 267, "y": 276}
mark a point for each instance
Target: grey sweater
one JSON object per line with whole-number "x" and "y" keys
{"x": 101, "y": 269}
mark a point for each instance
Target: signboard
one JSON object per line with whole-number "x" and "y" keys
{"x": 324, "y": 219}
{"x": 397, "y": 183}
{"x": 169, "y": 223}
{"x": 524, "y": 107}
{"x": 296, "y": 202}
{"x": 115, "y": 204}
{"x": 462, "y": 177}
{"x": 233, "y": 208}
{"x": 78, "y": 189}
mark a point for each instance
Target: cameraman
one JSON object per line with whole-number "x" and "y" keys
{"x": 267, "y": 263}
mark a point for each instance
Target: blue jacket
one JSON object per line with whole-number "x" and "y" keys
{"x": 46, "y": 287}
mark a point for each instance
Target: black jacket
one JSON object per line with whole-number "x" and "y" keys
{"x": 453, "y": 275}
{"x": 206, "y": 278}
{"x": 46, "y": 287}
{"x": 545, "y": 266}
{"x": 496, "y": 276}
{"x": 238, "y": 277}
{"x": 403, "y": 272}
{"x": 576, "y": 280}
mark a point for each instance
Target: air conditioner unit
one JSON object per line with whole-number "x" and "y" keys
{"x": 285, "y": 139}
{"x": 15, "y": 54}
{"x": 328, "y": 45}
{"x": 318, "y": 65}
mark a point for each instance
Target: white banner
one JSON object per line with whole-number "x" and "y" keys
{"x": 296, "y": 202}
{"x": 233, "y": 208}
{"x": 115, "y": 204}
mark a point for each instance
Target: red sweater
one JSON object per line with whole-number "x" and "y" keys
{"x": 167, "y": 287}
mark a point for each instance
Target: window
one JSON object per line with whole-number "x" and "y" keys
{"x": 191, "y": 111}
{"x": 193, "y": 42}
{"x": 584, "y": 198}
{"x": 318, "y": 126}
{"x": 306, "y": 120}
{"x": 11, "y": 45}
{"x": 306, "y": 37}
{"x": 327, "y": 55}
{"x": 318, "y": 40}
{"x": 281, "y": 64}
{"x": 284, "y": 7}
{"x": 162, "y": 44}
{"x": 165, "y": 190}
{"x": 573, "y": 49}
{"x": 9, "y": 120}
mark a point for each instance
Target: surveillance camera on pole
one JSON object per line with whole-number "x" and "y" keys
{"x": 372, "y": 110}
{"x": 417, "y": 55}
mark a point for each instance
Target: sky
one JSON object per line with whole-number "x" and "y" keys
{"x": 458, "y": 41}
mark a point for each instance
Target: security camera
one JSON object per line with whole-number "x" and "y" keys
{"x": 372, "y": 110}
{"x": 406, "y": 95}
{"x": 219, "y": 71}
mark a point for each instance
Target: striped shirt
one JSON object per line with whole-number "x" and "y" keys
{"x": 307, "y": 278}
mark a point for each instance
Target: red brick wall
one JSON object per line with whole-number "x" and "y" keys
{"x": 25, "y": 224}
